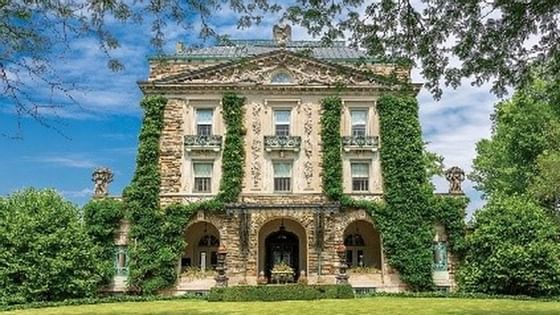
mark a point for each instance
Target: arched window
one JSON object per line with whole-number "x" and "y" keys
{"x": 355, "y": 246}
{"x": 208, "y": 241}
{"x": 281, "y": 77}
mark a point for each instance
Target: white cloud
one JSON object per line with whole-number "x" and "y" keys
{"x": 65, "y": 161}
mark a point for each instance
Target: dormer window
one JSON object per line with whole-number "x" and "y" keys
{"x": 281, "y": 77}
{"x": 204, "y": 122}
{"x": 359, "y": 119}
{"x": 282, "y": 122}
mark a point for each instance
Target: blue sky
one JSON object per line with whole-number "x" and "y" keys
{"x": 103, "y": 130}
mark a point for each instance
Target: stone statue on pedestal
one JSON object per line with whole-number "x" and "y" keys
{"x": 455, "y": 176}
{"x": 101, "y": 177}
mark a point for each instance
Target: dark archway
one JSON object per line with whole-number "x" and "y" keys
{"x": 282, "y": 246}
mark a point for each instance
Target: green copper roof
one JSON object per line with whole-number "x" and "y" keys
{"x": 236, "y": 49}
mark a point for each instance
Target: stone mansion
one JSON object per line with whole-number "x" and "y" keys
{"x": 282, "y": 216}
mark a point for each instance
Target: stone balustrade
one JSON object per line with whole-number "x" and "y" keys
{"x": 360, "y": 143}
{"x": 284, "y": 143}
{"x": 203, "y": 143}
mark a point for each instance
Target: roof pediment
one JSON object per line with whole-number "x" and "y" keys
{"x": 297, "y": 69}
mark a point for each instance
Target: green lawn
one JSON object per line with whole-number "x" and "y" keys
{"x": 379, "y": 305}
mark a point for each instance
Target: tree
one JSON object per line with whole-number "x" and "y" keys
{"x": 449, "y": 40}
{"x": 46, "y": 254}
{"x": 36, "y": 32}
{"x": 513, "y": 249}
{"x": 545, "y": 186}
{"x": 497, "y": 41}
{"x": 524, "y": 127}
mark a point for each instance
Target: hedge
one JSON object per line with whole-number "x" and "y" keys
{"x": 280, "y": 293}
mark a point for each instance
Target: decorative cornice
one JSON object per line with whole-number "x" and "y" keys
{"x": 149, "y": 87}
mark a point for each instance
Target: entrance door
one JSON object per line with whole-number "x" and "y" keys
{"x": 282, "y": 246}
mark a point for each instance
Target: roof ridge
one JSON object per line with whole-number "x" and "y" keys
{"x": 272, "y": 43}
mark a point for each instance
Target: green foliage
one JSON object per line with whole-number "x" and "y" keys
{"x": 102, "y": 218}
{"x": 234, "y": 148}
{"x": 513, "y": 249}
{"x": 280, "y": 293}
{"x": 450, "y": 212}
{"x": 544, "y": 185}
{"x": 147, "y": 272}
{"x": 523, "y": 128}
{"x": 157, "y": 234}
{"x": 417, "y": 34}
{"x": 332, "y": 147}
{"x": 407, "y": 230}
{"x": 46, "y": 253}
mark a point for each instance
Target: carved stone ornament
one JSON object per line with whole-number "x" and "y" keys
{"x": 256, "y": 146}
{"x": 308, "y": 145}
{"x": 282, "y": 34}
{"x": 101, "y": 177}
{"x": 261, "y": 69}
{"x": 455, "y": 176}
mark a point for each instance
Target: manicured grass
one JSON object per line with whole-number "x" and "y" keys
{"x": 376, "y": 305}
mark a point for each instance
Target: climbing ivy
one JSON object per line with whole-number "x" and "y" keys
{"x": 407, "y": 228}
{"x": 234, "y": 148}
{"x": 406, "y": 216}
{"x": 102, "y": 218}
{"x": 450, "y": 212}
{"x": 332, "y": 147}
{"x": 157, "y": 234}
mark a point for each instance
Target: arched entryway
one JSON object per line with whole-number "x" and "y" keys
{"x": 282, "y": 240}
{"x": 363, "y": 245}
{"x": 203, "y": 241}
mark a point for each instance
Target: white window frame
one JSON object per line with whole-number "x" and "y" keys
{"x": 359, "y": 109}
{"x": 291, "y": 178}
{"x": 368, "y": 178}
{"x": 194, "y": 186}
{"x": 275, "y": 124}
{"x": 197, "y": 124}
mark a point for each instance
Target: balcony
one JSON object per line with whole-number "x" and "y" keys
{"x": 203, "y": 143}
{"x": 282, "y": 143}
{"x": 360, "y": 143}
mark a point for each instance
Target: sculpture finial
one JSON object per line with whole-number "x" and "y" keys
{"x": 282, "y": 34}
{"x": 455, "y": 175}
{"x": 101, "y": 177}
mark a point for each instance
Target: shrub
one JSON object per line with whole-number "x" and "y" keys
{"x": 513, "y": 250}
{"x": 46, "y": 253}
{"x": 281, "y": 293}
{"x": 102, "y": 218}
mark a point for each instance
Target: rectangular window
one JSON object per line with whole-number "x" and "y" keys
{"x": 202, "y": 177}
{"x": 282, "y": 122}
{"x": 359, "y": 119}
{"x": 282, "y": 176}
{"x": 204, "y": 122}
{"x": 360, "y": 176}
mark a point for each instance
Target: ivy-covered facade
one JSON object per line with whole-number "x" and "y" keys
{"x": 273, "y": 161}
